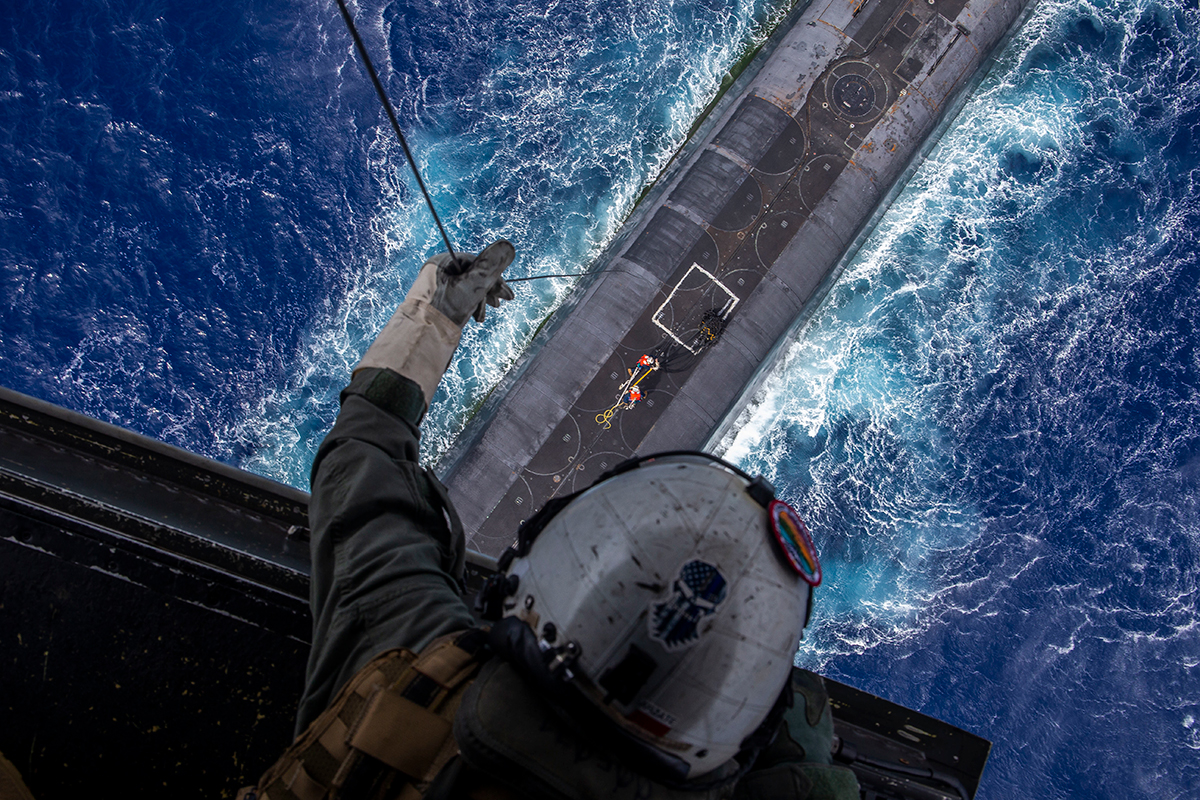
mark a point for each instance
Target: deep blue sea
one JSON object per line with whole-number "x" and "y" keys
{"x": 992, "y": 424}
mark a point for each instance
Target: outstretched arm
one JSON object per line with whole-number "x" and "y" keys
{"x": 387, "y": 547}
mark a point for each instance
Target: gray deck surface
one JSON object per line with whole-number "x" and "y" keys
{"x": 735, "y": 239}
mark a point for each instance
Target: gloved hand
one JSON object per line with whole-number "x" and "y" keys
{"x": 464, "y": 287}
{"x": 421, "y": 337}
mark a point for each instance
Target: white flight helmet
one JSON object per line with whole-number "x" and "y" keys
{"x": 672, "y": 595}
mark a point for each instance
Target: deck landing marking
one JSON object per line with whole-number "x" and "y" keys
{"x": 726, "y": 310}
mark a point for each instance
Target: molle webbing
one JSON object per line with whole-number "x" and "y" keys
{"x": 388, "y": 733}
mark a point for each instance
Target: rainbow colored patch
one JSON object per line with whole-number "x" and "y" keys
{"x": 795, "y": 540}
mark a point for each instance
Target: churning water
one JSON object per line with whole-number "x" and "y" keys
{"x": 992, "y": 425}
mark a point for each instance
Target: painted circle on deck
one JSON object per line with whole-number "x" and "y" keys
{"x": 853, "y": 96}
{"x": 857, "y": 92}
{"x": 795, "y": 540}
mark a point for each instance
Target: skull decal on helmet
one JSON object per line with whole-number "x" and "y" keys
{"x": 698, "y": 591}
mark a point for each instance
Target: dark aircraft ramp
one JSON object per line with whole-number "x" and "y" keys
{"x": 154, "y": 624}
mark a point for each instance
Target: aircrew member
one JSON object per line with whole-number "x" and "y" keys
{"x": 643, "y": 630}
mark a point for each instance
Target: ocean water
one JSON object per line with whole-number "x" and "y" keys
{"x": 994, "y": 420}
{"x": 992, "y": 425}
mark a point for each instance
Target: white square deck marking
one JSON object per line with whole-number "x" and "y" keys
{"x": 726, "y": 311}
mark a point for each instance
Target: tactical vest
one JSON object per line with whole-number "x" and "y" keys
{"x": 388, "y": 733}
{"x": 444, "y": 724}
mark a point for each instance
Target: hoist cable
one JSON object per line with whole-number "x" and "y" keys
{"x": 539, "y": 277}
{"x": 387, "y": 106}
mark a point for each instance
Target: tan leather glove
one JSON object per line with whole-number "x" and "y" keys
{"x": 421, "y": 337}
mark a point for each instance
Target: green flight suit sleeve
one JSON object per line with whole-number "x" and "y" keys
{"x": 798, "y": 764}
{"x": 387, "y": 547}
